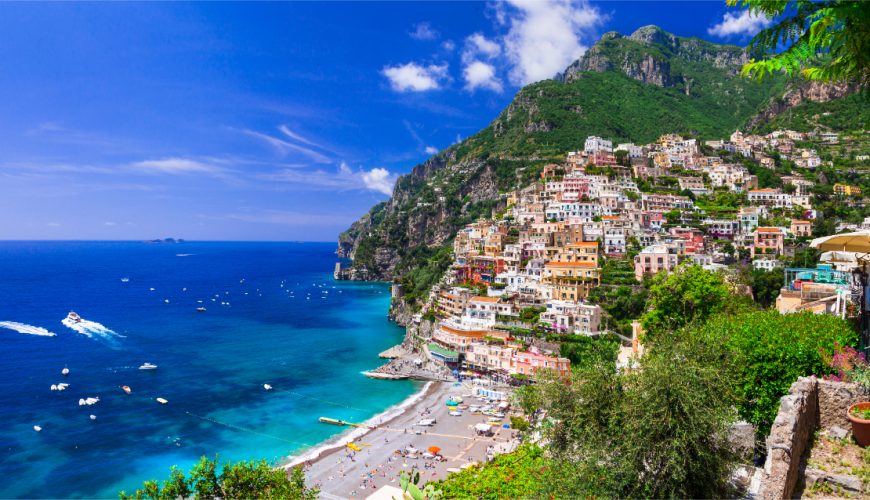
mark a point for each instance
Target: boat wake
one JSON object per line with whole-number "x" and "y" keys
{"x": 28, "y": 329}
{"x": 90, "y": 328}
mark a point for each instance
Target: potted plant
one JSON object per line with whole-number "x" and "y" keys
{"x": 851, "y": 366}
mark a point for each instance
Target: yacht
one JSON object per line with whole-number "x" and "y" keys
{"x": 64, "y": 372}
{"x": 74, "y": 317}
{"x": 126, "y": 388}
{"x": 161, "y": 401}
{"x": 148, "y": 366}
{"x": 267, "y": 387}
{"x": 37, "y": 428}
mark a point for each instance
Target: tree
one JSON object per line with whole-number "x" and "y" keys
{"x": 657, "y": 432}
{"x": 208, "y": 480}
{"x": 765, "y": 285}
{"x": 686, "y": 295}
{"x": 826, "y": 40}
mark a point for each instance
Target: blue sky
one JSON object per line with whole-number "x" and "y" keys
{"x": 267, "y": 121}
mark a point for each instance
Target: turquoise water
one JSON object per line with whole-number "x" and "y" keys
{"x": 310, "y": 345}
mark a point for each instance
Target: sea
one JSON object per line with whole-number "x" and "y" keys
{"x": 274, "y": 315}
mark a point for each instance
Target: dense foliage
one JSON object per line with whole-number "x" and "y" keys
{"x": 516, "y": 475}
{"x": 822, "y": 40}
{"x": 209, "y": 480}
{"x": 768, "y": 351}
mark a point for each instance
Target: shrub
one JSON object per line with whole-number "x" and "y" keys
{"x": 769, "y": 351}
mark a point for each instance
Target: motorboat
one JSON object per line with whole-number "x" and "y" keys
{"x": 267, "y": 387}
{"x": 88, "y": 401}
{"x": 125, "y": 280}
{"x": 126, "y": 388}
{"x": 74, "y": 317}
{"x": 62, "y": 387}
{"x": 166, "y": 301}
{"x": 93, "y": 417}
{"x": 64, "y": 372}
{"x": 37, "y": 428}
{"x": 148, "y": 366}
{"x": 201, "y": 309}
{"x": 161, "y": 401}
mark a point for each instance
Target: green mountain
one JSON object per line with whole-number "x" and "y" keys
{"x": 626, "y": 88}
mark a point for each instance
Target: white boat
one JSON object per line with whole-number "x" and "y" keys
{"x": 201, "y": 309}
{"x": 93, "y": 417}
{"x": 88, "y": 401}
{"x": 151, "y": 289}
{"x": 148, "y": 366}
{"x": 267, "y": 387}
{"x": 161, "y": 401}
{"x": 62, "y": 387}
{"x": 37, "y": 428}
{"x": 53, "y": 387}
{"x": 64, "y": 372}
{"x": 75, "y": 318}
{"x": 166, "y": 300}
{"x": 125, "y": 280}
{"x": 126, "y": 388}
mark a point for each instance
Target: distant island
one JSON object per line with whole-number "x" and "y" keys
{"x": 165, "y": 240}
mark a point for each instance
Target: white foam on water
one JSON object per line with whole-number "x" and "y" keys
{"x": 27, "y": 329}
{"x": 90, "y": 328}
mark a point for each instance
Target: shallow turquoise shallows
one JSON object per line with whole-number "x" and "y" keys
{"x": 273, "y": 316}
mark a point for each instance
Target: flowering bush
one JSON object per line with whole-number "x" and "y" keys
{"x": 850, "y": 365}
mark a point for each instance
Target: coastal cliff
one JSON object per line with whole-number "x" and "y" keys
{"x": 625, "y": 88}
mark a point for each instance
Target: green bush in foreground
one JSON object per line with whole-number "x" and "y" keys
{"x": 516, "y": 475}
{"x": 769, "y": 351}
{"x": 207, "y": 479}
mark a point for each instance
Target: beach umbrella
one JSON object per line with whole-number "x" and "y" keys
{"x": 858, "y": 242}
{"x": 434, "y": 450}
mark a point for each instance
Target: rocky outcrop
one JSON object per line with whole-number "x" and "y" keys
{"x": 798, "y": 93}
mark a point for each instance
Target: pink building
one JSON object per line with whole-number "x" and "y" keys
{"x": 527, "y": 363}
{"x": 655, "y": 259}
{"x": 768, "y": 241}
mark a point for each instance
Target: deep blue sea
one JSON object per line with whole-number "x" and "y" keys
{"x": 309, "y": 339}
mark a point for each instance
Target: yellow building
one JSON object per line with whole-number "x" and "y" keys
{"x": 847, "y": 190}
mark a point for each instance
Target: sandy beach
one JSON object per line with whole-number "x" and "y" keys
{"x": 342, "y": 473}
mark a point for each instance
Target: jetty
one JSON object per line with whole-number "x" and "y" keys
{"x": 335, "y": 421}
{"x": 385, "y": 376}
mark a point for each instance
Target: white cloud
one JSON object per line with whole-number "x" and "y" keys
{"x": 545, "y": 36}
{"x": 416, "y": 78}
{"x": 176, "y": 166}
{"x": 431, "y": 150}
{"x": 296, "y": 137}
{"x": 423, "y": 31}
{"x": 110, "y": 223}
{"x": 477, "y": 45}
{"x": 284, "y": 147}
{"x": 479, "y": 74}
{"x": 744, "y": 24}
{"x": 343, "y": 168}
{"x": 379, "y": 179}
{"x": 448, "y": 45}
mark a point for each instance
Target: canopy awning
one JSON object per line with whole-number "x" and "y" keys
{"x": 858, "y": 242}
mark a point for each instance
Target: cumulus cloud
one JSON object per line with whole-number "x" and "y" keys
{"x": 423, "y": 31}
{"x": 379, "y": 179}
{"x": 416, "y": 78}
{"x": 448, "y": 45}
{"x": 546, "y": 36}
{"x": 176, "y": 166}
{"x": 479, "y": 75}
{"x": 431, "y": 150}
{"x": 743, "y": 24}
{"x": 479, "y": 45}
{"x": 478, "y": 69}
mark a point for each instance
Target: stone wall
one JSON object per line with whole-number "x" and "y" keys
{"x": 790, "y": 434}
{"x": 811, "y": 405}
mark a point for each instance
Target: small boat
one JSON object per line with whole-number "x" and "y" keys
{"x": 64, "y": 372}
{"x": 126, "y": 388}
{"x": 53, "y": 387}
{"x": 88, "y": 401}
{"x": 37, "y": 428}
{"x": 151, "y": 289}
{"x": 201, "y": 309}
{"x": 125, "y": 280}
{"x": 267, "y": 387}
{"x": 93, "y": 417}
{"x": 148, "y": 366}
{"x": 62, "y": 387}
{"x": 184, "y": 289}
{"x": 161, "y": 401}
{"x": 166, "y": 300}
{"x": 75, "y": 318}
